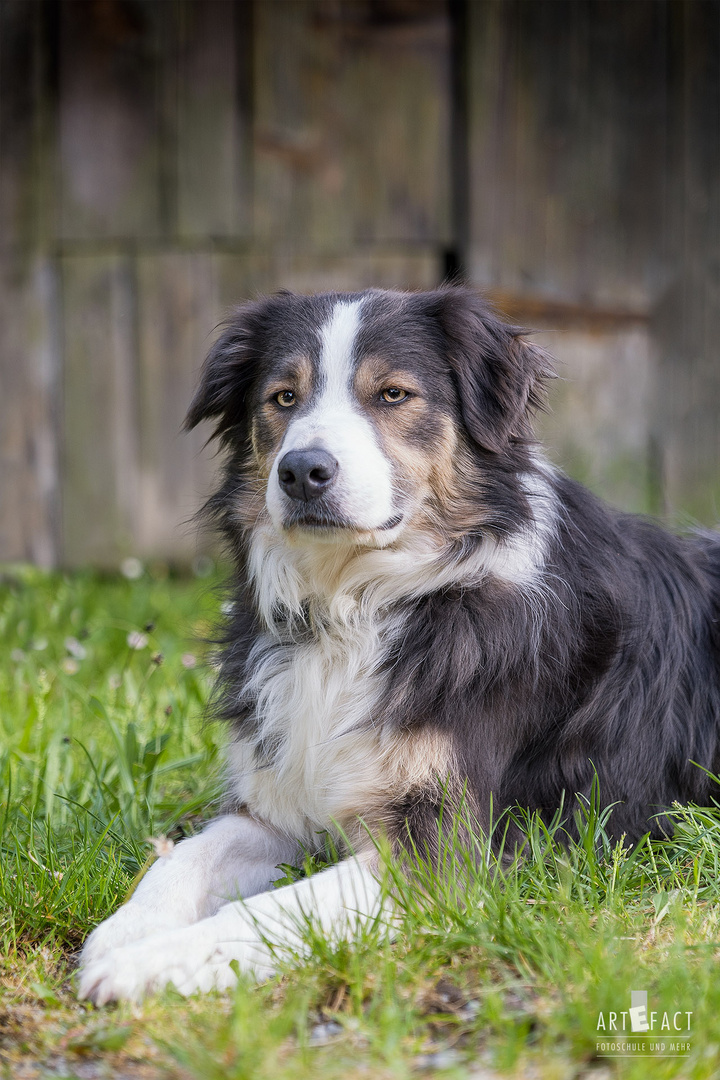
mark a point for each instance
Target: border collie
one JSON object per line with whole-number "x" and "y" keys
{"x": 425, "y": 610}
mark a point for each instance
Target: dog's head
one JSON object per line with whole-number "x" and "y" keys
{"x": 355, "y": 415}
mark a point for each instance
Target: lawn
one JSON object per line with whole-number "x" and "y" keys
{"x": 513, "y": 968}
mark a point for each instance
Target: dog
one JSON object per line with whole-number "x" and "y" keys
{"x": 425, "y": 611}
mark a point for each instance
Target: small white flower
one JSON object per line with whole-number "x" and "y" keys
{"x": 70, "y": 666}
{"x": 132, "y": 568}
{"x": 115, "y": 682}
{"x": 40, "y": 644}
{"x": 75, "y": 649}
{"x": 188, "y": 660}
{"x": 17, "y": 656}
{"x": 136, "y": 640}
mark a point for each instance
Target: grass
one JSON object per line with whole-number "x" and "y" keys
{"x": 499, "y": 967}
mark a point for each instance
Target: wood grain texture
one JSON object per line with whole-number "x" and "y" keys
{"x": 594, "y": 164}
{"x": 245, "y": 276}
{"x": 29, "y": 384}
{"x": 568, "y": 129}
{"x": 20, "y": 115}
{"x": 100, "y": 411}
{"x": 29, "y": 299}
{"x": 597, "y": 427}
{"x": 214, "y": 167}
{"x": 178, "y": 310}
{"x": 112, "y": 138}
{"x": 351, "y": 123}
{"x": 686, "y": 315}
{"x": 161, "y": 162}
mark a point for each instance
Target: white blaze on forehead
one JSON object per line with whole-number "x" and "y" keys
{"x": 337, "y": 337}
{"x": 362, "y": 495}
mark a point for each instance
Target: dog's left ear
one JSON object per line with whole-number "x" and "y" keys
{"x": 229, "y": 372}
{"x": 499, "y": 374}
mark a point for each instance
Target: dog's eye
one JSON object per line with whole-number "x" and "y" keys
{"x": 286, "y": 398}
{"x": 393, "y": 394}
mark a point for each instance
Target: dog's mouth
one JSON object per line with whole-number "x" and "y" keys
{"x": 320, "y": 520}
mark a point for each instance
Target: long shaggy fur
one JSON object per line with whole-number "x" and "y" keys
{"x": 513, "y": 638}
{"x": 424, "y": 611}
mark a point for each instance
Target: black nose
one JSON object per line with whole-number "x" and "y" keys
{"x": 307, "y": 474}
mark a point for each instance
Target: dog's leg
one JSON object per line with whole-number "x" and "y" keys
{"x": 233, "y": 856}
{"x": 255, "y": 934}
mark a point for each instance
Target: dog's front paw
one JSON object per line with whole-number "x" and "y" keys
{"x": 130, "y": 923}
{"x": 194, "y": 958}
{"x": 128, "y": 972}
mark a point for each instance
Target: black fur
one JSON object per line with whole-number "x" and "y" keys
{"x": 609, "y": 662}
{"x": 624, "y": 679}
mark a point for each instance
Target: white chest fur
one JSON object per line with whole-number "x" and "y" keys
{"x": 315, "y": 755}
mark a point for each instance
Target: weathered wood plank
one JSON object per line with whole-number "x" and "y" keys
{"x": 29, "y": 315}
{"x": 100, "y": 470}
{"x": 594, "y": 158}
{"x": 177, "y": 312}
{"x": 593, "y": 182}
{"x": 686, "y": 318}
{"x": 29, "y": 381}
{"x": 18, "y": 118}
{"x": 597, "y": 427}
{"x": 241, "y": 277}
{"x": 111, "y": 118}
{"x": 568, "y": 131}
{"x": 351, "y": 123}
{"x": 213, "y": 120}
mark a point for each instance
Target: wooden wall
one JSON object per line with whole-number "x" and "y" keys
{"x": 161, "y": 160}
{"x": 594, "y": 205}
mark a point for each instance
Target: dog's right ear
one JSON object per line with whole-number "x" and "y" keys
{"x": 499, "y": 375}
{"x": 228, "y": 373}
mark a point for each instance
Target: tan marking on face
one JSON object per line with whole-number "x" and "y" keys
{"x": 433, "y": 478}
{"x": 439, "y": 479}
{"x": 453, "y": 474}
{"x": 374, "y": 374}
{"x": 429, "y": 475}
{"x": 444, "y": 480}
{"x": 423, "y": 475}
{"x": 296, "y": 375}
{"x": 271, "y": 420}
